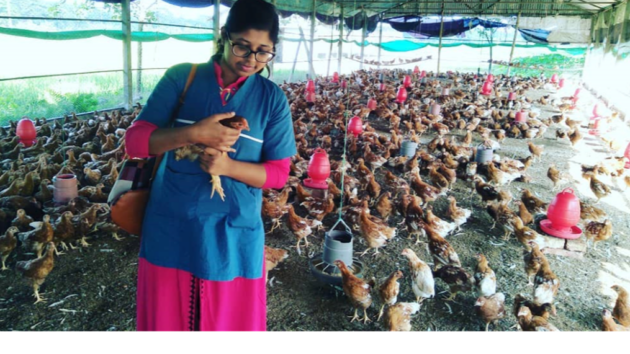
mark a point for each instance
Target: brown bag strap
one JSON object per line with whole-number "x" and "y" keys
{"x": 180, "y": 103}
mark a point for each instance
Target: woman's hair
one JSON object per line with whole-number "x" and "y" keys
{"x": 251, "y": 14}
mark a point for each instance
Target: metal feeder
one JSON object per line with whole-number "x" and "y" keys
{"x": 337, "y": 246}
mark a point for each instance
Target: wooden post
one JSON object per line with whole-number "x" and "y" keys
{"x": 311, "y": 68}
{"x": 518, "y": 20}
{"x": 127, "y": 72}
{"x": 363, "y": 35}
{"x": 340, "y": 44}
{"x": 380, "y": 42}
{"x": 440, "y": 45}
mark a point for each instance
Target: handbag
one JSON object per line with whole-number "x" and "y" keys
{"x": 129, "y": 196}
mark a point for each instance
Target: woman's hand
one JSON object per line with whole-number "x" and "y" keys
{"x": 211, "y": 133}
{"x": 215, "y": 162}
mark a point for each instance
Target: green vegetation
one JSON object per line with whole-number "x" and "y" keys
{"x": 548, "y": 61}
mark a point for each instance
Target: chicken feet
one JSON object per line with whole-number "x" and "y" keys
{"x": 216, "y": 187}
{"x": 365, "y": 318}
{"x": 37, "y": 295}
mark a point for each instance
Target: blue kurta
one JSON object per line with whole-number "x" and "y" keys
{"x": 183, "y": 227}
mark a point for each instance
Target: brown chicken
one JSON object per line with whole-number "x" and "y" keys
{"x": 490, "y": 308}
{"x": 442, "y": 251}
{"x": 8, "y": 241}
{"x": 458, "y": 215}
{"x": 575, "y": 136}
{"x": 318, "y": 207}
{"x": 22, "y": 221}
{"x": 531, "y": 323}
{"x": 544, "y": 310}
{"x": 609, "y": 325}
{"x": 546, "y": 284}
{"x": 398, "y": 316}
{"x": 525, "y": 234}
{"x": 273, "y": 256}
{"x": 301, "y": 227}
{"x": 533, "y": 261}
{"x": 275, "y": 207}
{"x": 374, "y": 231}
{"x": 486, "y": 191}
{"x": 536, "y": 151}
{"x": 591, "y": 213}
{"x": 357, "y": 290}
{"x": 38, "y": 238}
{"x": 414, "y": 217}
{"x": 64, "y": 230}
{"x": 422, "y": 282}
{"x": 598, "y": 188}
{"x": 438, "y": 179}
{"x": 485, "y": 279}
{"x": 555, "y": 176}
{"x": 524, "y": 214}
{"x": 621, "y": 312}
{"x": 457, "y": 279}
{"x": 427, "y": 192}
{"x": 373, "y": 188}
{"x": 388, "y": 291}
{"x": 36, "y": 270}
{"x": 384, "y": 205}
{"x": 598, "y": 231}
{"x": 533, "y": 204}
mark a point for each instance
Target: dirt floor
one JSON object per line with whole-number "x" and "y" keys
{"x": 93, "y": 288}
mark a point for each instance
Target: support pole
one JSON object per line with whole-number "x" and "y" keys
{"x": 440, "y": 45}
{"x": 139, "y": 65}
{"x": 380, "y": 42}
{"x": 270, "y": 65}
{"x": 331, "y": 46}
{"x": 363, "y": 35}
{"x": 340, "y": 44}
{"x": 126, "y": 29}
{"x": 216, "y": 21}
{"x": 297, "y": 52}
{"x": 311, "y": 68}
{"x": 518, "y": 20}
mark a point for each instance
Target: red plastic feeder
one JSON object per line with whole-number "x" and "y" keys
{"x": 318, "y": 171}
{"x": 407, "y": 81}
{"x": 344, "y": 84}
{"x": 26, "y": 132}
{"x": 486, "y": 89}
{"x": 521, "y": 117}
{"x": 401, "y": 96}
{"x": 627, "y": 156}
{"x": 423, "y": 74}
{"x": 371, "y": 104}
{"x": 416, "y": 70}
{"x": 554, "y": 78}
{"x": 382, "y": 87}
{"x": 512, "y": 96}
{"x": 310, "y": 86}
{"x": 355, "y": 126}
{"x": 561, "y": 83}
{"x": 597, "y": 125}
{"x": 310, "y": 97}
{"x": 563, "y": 215}
{"x": 335, "y": 77}
{"x": 490, "y": 78}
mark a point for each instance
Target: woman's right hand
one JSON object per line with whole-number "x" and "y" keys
{"x": 211, "y": 133}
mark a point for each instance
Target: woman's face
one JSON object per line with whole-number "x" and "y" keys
{"x": 255, "y": 40}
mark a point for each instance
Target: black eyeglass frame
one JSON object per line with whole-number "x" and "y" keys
{"x": 249, "y": 51}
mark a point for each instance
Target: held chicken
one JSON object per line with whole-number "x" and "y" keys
{"x": 8, "y": 241}
{"x": 36, "y": 270}
{"x": 388, "y": 291}
{"x": 490, "y": 308}
{"x": 531, "y": 323}
{"x": 546, "y": 284}
{"x": 598, "y": 231}
{"x": 621, "y": 312}
{"x": 485, "y": 279}
{"x": 398, "y": 317}
{"x": 458, "y": 215}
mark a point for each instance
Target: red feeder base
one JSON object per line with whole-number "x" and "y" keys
{"x": 28, "y": 143}
{"x": 569, "y": 233}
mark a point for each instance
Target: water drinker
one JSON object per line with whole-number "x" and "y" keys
{"x": 355, "y": 126}
{"x": 401, "y": 96}
{"x": 521, "y": 117}
{"x": 318, "y": 172}
{"x": 371, "y": 104}
{"x": 563, "y": 214}
{"x": 25, "y": 130}
{"x": 407, "y": 81}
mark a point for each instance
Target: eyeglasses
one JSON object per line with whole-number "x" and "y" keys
{"x": 243, "y": 51}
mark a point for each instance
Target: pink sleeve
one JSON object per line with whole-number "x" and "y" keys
{"x": 277, "y": 173}
{"x": 137, "y": 138}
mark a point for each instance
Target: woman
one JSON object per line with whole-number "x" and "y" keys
{"x": 201, "y": 263}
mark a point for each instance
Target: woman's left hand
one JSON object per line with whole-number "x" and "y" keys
{"x": 214, "y": 162}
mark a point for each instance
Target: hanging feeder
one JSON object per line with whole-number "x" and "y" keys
{"x": 408, "y": 148}
{"x": 561, "y": 83}
{"x": 335, "y": 78}
{"x": 627, "y": 156}
{"x": 596, "y": 126}
{"x": 483, "y": 154}
{"x": 310, "y": 86}
{"x": 554, "y": 78}
{"x": 318, "y": 173}
{"x": 416, "y": 70}
{"x": 65, "y": 188}
{"x": 337, "y": 246}
{"x": 407, "y": 81}
{"x": 521, "y": 117}
{"x": 355, "y": 126}
{"x": 597, "y": 112}
{"x": 26, "y": 132}
{"x": 446, "y": 91}
{"x": 371, "y": 105}
{"x": 563, "y": 214}
{"x": 490, "y": 78}
{"x": 401, "y": 96}
{"x": 436, "y": 109}
{"x": 382, "y": 87}
{"x": 310, "y": 97}
{"x": 344, "y": 84}
{"x": 512, "y": 96}
{"x": 486, "y": 89}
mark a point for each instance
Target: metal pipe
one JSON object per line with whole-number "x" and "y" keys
{"x": 127, "y": 76}
{"x": 98, "y": 20}
{"x": 518, "y": 20}
{"x": 216, "y": 23}
{"x": 363, "y": 35}
{"x": 340, "y": 43}
{"x": 440, "y": 45}
{"x": 311, "y": 68}
{"x": 331, "y": 46}
{"x": 71, "y": 74}
{"x": 380, "y": 42}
